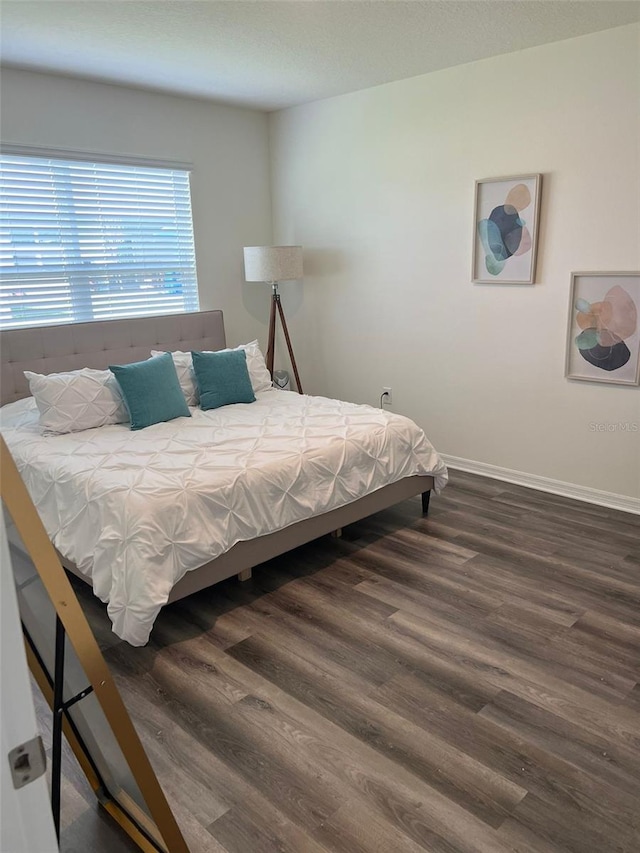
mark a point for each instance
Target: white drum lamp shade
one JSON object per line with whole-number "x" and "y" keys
{"x": 272, "y": 263}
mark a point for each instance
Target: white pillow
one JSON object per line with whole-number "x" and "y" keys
{"x": 77, "y": 400}
{"x": 186, "y": 376}
{"x": 258, "y": 373}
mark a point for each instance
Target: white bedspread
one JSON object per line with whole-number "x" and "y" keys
{"x": 135, "y": 511}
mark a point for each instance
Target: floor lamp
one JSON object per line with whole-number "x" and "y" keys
{"x": 272, "y": 264}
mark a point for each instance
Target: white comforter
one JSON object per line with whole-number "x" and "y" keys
{"x": 135, "y": 511}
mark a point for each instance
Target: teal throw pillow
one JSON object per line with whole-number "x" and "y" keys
{"x": 222, "y": 378}
{"x": 151, "y": 391}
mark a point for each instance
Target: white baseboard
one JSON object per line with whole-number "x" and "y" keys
{"x": 624, "y": 503}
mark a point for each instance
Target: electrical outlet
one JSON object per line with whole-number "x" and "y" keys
{"x": 387, "y": 397}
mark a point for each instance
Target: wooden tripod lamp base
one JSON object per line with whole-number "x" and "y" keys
{"x": 273, "y": 264}
{"x": 275, "y": 303}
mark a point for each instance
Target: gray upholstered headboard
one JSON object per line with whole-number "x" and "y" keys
{"x": 53, "y": 349}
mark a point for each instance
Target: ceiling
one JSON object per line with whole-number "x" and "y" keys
{"x": 271, "y": 54}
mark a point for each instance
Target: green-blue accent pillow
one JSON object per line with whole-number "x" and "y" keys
{"x": 222, "y": 378}
{"x": 151, "y": 391}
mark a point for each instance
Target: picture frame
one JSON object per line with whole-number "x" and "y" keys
{"x": 603, "y": 333}
{"x": 72, "y": 674}
{"x": 506, "y": 215}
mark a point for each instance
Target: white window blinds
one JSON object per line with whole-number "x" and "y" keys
{"x": 91, "y": 241}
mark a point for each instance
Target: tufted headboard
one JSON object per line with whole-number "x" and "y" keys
{"x": 54, "y": 349}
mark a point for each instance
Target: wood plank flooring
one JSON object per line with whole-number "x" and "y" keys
{"x": 463, "y": 683}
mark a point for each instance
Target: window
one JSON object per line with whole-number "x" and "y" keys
{"x": 91, "y": 241}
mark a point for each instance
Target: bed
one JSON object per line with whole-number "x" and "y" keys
{"x": 323, "y": 463}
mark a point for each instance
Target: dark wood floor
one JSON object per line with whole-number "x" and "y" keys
{"x": 466, "y": 683}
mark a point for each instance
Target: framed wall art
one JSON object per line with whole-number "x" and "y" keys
{"x": 603, "y": 338}
{"x": 505, "y": 223}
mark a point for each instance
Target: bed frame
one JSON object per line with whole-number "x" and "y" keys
{"x": 53, "y": 349}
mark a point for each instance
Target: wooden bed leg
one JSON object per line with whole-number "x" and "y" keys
{"x": 337, "y": 533}
{"x": 244, "y": 575}
{"x": 425, "y": 502}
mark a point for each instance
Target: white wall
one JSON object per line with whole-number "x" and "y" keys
{"x": 378, "y": 187}
{"x": 227, "y": 147}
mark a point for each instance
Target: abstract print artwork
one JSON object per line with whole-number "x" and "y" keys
{"x": 603, "y": 342}
{"x": 506, "y": 229}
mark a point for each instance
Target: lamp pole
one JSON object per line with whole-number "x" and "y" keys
{"x": 276, "y": 304}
